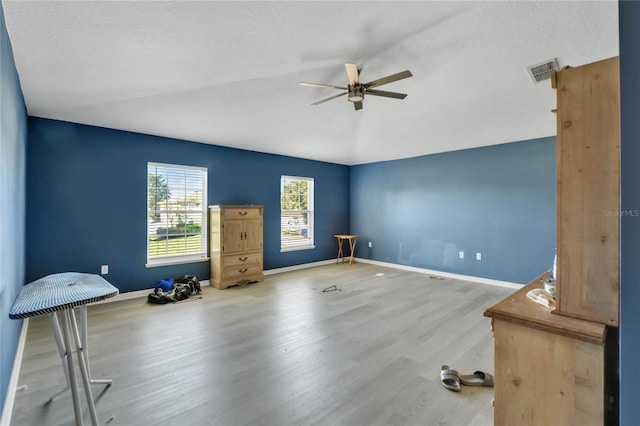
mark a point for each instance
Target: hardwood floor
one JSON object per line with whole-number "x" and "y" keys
{"x": 280, "y": 352}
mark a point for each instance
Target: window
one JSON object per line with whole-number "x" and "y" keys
{"x": 296, "y": 213}
{"x": 176, "y": 214}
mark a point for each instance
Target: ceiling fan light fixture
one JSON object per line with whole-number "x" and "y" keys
{"x": 356, "y": 94}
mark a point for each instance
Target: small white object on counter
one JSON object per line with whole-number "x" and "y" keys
{"x": 540, "y": 296}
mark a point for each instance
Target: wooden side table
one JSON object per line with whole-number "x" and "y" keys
{"x": 352, "y": 246}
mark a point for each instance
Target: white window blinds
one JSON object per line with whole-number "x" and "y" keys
{"x": 296, "y": 213}
{"x": 176, "y": 214}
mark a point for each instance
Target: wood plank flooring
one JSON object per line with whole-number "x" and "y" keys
{"x": 280, "y": 352}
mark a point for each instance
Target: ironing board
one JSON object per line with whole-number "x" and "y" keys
{"x": 57, "y": 295}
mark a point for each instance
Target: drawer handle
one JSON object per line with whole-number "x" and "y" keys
{"x": 242, "y": 259}
{"x": 242, "y": 271}
{"x": 243, "y": 213}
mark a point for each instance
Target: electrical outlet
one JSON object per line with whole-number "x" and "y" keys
{"x": 478, "y": 256}
{"x": 104, "y": 269}
{"x": 461, "y": 254}
{"x": 370, "y": 245}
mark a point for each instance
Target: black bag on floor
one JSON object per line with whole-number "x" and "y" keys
{"x": 191, "y": 281}
{"x": 159, "y": 297}
{"x": 183, "y": 287}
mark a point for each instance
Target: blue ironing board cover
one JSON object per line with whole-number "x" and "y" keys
{"x": 58, "y": 292}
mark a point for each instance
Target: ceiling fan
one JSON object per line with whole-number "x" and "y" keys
{"x": 357, "y": 90}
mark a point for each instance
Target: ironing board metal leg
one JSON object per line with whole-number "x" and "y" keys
{"x": 57, "y": 334}
{"x": 83, "y": 367}
{"x": 85, "y": 348}
{"x": 77, "y": 409}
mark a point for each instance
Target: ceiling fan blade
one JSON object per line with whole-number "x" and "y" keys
{"x": 329, "y": 98}
{"x": 357, "y": 105}
{"x": 322, "y": 85}
{"x": 389, "y": 79}
{"x": 352, "y": 72}
{"x": 395, "y": 95}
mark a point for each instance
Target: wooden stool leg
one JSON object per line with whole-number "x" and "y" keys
{"x": 340, "y": 254}
{"x": 352, "y": 247}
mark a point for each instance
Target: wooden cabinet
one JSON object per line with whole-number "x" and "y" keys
{"x": 561, "y": 367}
{"x": 588, "y": 191}
{"x": 551, "y": 369}
{"x": 235, "y": 245}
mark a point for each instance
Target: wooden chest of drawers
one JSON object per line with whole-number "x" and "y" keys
{"x": 235, "y": 245}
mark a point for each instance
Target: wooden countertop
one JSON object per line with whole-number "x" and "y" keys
{"x": 519, "y": 309}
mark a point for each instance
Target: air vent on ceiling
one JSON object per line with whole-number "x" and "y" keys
{"x": 542, "y": 71}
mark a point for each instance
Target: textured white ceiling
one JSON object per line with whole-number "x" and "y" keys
{"x": 227, "y": 73}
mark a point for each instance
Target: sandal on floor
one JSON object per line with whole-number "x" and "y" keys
{"x": 478, "y": 378}
{"x": 450, "y": 379}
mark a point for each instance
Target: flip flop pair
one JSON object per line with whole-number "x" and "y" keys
{"x": 452, "y": 380}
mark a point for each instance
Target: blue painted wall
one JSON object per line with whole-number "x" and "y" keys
{"x": 497, "y": 200}
{"x": 87, "y": 194}
{"x": 629, "y": 15}
{"x": 13, "y": 146}
{"x": 86, "y": 203}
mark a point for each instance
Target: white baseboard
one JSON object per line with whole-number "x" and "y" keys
{"x": 301, "y": 266}
{"x": 10, "y": 396}
{"x": 403, "y": 267}
{"x": 442, "y": 274}
{"x": 144, "y": 293}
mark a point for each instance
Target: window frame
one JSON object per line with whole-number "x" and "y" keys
{"x": 200, "y": 256}
{"x": 309, "y": 242}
